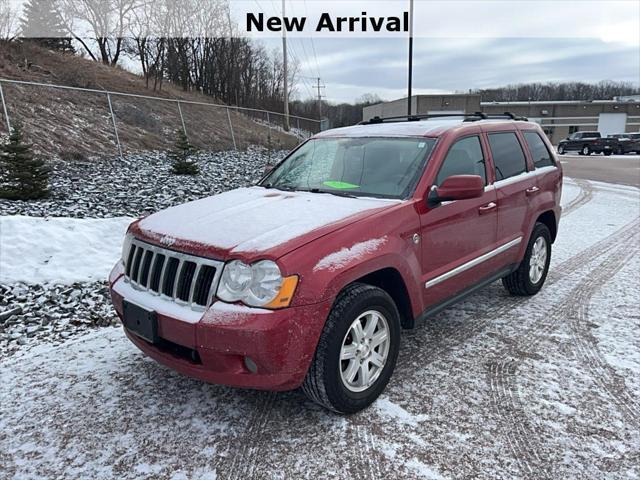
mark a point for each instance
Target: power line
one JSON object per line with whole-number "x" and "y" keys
{"x": 313, "y": 47}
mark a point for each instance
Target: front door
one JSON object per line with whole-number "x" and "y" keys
{"x": 456, "y": 235}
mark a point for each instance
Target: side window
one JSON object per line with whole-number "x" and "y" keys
{"x": 464, "y": 158}
{"x": 508, "y": 157}
{"x": 539, "y": 152}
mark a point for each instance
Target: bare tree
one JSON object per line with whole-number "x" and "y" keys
{"x": 9, "y": 20}
{"x": 107, "y": 20}
{"x": 606, "y": 89}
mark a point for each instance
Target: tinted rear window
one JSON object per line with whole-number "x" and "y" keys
{"x": 539, "y": 152}
{"x": 508, "y": 157}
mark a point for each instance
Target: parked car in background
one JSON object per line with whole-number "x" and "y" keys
{"x": 627, "y": 142}
{"x": 586, "y": 143}
{"x": 307, "y": 278}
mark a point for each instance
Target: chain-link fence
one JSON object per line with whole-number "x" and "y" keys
{"x": 71, "y": 121}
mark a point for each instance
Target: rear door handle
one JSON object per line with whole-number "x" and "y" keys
{"x": 489, "y": 207}
{"x": 532, "y": 190}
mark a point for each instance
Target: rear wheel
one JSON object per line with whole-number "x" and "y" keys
{"x": 357, "y": 351}
{"x": 586, "y": 150}
{"x": 560, "y": 149}
{"x": 532, "y": 272}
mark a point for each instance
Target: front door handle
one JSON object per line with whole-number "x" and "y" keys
{"x": 532, "y": 190}
{"x": 488, "y": 208}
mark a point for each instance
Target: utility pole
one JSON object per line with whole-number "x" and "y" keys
{"x": 319, "y": 98}
{"x": 286, "y": 72}
{"x": 410, "y": 57}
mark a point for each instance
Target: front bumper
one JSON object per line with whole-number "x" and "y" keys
{"x": 213, "y": 346}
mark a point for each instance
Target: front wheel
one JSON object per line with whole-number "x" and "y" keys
{"x": 532, "y": 272}
{"x": 586, "y": 150}
{"x": 560, "y": 149}
{"x": 357, "y": 351}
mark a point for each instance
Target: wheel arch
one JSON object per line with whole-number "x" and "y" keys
{"x": 548, "y": 218}
{"x": 391, "y": 281}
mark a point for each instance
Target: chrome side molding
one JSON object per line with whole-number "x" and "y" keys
{"x": 472, "y": 263}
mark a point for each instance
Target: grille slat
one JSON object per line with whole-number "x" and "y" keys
{"x": 176, "y": 282}
{"x": 194, "y": 282}
{"x": 156, "y": 274}
{"x": 170, "y": 276}
{"x": 135, "y": 270}
{"x": 132, "y": 252}
{"x": 144, "y": 269}
{"x": 204, "y": 282}
{"x": 185, "y": 279}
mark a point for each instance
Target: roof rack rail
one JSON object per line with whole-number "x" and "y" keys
{"x": 468, "y": 117}
{"x": 508, "y": 115}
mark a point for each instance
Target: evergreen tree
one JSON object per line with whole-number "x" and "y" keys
{"x": 22, "y": 176}
{"x": 180, "y": 154}
{"x": 42, "y": 24}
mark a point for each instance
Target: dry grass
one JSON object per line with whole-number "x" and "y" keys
{"x": 59, "y": 121}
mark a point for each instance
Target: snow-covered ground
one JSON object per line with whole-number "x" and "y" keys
{"x": 37, "y": 250}
{"x": 494, "y": 387}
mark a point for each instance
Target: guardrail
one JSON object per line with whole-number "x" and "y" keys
{"x": 269, "y": 116}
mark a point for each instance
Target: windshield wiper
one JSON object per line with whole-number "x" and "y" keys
{"x": 337, "y": 194}
{"x": 279, "y": 187}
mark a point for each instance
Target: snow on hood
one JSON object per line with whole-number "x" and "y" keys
{"x": 253, "y": 219}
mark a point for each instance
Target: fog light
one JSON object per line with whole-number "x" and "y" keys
{"x": 250, "y": 365}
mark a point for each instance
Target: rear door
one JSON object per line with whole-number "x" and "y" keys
{"x": 456, "y": 234}
{"x": 514, "y": 185}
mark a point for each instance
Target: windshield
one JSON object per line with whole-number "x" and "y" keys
{"x": 377, "y": 167}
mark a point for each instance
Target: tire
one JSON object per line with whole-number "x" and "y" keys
{"x": 586, "y": 150}
{"x": 521, "y": 282}
{"x": 325, "y": 383}
{"x": 560, "y": 149}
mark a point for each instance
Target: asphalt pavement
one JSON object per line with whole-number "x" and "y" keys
{"x": 620, "y": 169}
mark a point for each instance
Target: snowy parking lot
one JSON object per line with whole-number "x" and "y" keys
{"x": 493, "y": 387}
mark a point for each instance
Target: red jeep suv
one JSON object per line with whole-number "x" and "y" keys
{"x": 307, "y": 278}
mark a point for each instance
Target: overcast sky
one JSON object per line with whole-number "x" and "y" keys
{"x": 350, "y": 68}
{"x": 494, "y": 43}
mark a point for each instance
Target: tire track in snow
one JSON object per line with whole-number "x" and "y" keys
{"x": 603, "y": 374}
{"x": 584, "y": 197}
{"x": 600, "y": 248}
{"x": 366, "y": 464}
{"x": 246, "y": 456}
{"x": 522, "y": 437}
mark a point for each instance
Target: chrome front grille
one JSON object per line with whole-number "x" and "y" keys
{"x": 186, "y": 279}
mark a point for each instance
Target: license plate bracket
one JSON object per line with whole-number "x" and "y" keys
{"x": 140, "y": 321}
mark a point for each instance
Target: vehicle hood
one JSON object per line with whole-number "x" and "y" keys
{"x": 255, "y": 220}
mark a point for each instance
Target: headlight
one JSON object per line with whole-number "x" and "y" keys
{"x": 258, "y": 285}
{"x": 126, "y": 246}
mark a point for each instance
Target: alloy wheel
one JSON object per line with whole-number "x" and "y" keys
{"x": 364, "y": 351}
{"x": 538, "y": 260}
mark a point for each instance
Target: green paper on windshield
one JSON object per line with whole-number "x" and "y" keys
{"x": 340, "y": 185}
